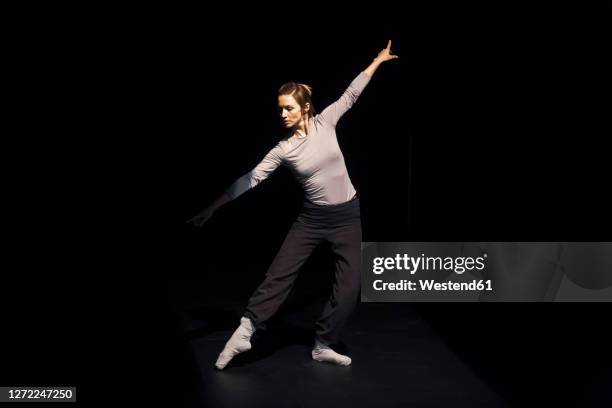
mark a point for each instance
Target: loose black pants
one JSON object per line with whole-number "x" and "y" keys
{"x": 340, "y": 225}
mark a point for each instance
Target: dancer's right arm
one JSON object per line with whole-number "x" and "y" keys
{"x": 269, "y": 163}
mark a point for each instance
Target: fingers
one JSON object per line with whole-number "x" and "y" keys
{"x": 200, "y": 219}
{"x": 387, "y": 51}
{"x": 195, "y": 221}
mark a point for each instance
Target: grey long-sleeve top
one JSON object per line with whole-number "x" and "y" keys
{"x": 316, "y": 159}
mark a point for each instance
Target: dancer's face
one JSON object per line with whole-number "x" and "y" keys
{"x": 290, "y": 111}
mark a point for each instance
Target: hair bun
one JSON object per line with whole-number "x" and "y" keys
{"x": 308, "y": 89}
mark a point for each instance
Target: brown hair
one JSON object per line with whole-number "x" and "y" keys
{"x": 302, "y": 94}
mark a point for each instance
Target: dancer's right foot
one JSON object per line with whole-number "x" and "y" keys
{"x": 238, "y": 343}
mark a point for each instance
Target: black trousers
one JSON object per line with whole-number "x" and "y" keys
{"x": 340, "y": 225}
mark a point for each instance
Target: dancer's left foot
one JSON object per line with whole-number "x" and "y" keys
{"x": 327, "y": 355}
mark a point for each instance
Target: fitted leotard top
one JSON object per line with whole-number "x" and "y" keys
{"x": 316, "y": 159}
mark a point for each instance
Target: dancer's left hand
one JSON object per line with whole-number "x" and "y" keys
{"x": 385, "y": 54}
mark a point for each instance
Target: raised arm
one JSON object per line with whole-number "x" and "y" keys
{"x": 334, "y": 112}
{"x": 269, "y": 163}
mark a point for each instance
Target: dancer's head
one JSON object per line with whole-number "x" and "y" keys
{"x": 294, "y": 103}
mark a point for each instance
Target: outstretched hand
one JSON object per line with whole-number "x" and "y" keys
{"x": 208, "y": 212}
{"x": 201, "y": 218}
{"x": 385, "y": 54}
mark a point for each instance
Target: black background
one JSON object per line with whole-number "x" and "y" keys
{"x": 492, "y": 125}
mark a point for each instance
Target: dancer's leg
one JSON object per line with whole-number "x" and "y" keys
{"x": 272, "y": 292}
{"x": 267, "y": 298}
{"x": 346, "y": 246}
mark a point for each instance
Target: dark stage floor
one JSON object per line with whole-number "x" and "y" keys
{"x": 398, "y": 360}
{"x": 404, "y": 355}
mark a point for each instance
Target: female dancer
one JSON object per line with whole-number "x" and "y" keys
{"x": 330, "y": 213}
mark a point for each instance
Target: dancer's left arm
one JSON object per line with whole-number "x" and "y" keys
{"x": 334, "y": 112}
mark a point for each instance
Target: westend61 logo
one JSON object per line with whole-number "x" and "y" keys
{"x": 428, "y": 263}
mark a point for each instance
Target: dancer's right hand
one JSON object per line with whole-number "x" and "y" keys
{"x": 202, "y": 217}
{"x": 208, "y": 212}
